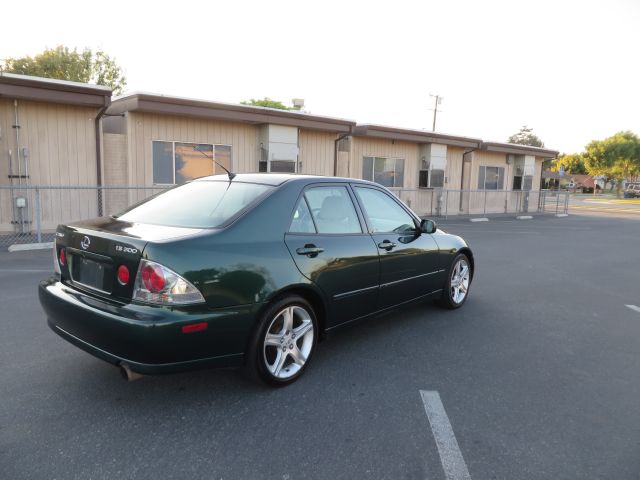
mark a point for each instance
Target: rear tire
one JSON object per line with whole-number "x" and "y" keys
{"x": 283, "y": 342}
{"x": 456, "y": 288}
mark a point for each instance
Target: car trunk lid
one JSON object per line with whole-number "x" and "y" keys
{"x": 96, "y": 249}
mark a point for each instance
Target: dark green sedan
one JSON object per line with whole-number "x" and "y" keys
{"x": 249, "y": 271}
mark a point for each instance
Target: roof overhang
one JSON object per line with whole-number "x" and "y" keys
{"x": 165, "y": 105}
{"x": 516, "y": 149}
{"x": 415, "y": 136}
{"x": 24, "y": 87}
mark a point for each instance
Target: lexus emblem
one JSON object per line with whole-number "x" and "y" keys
{"x": 85, "y": 243}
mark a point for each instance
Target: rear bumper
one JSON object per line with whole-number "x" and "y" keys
{"x": 147, "y": 338}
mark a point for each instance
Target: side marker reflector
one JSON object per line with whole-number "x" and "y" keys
{"x": 195, "y": 327}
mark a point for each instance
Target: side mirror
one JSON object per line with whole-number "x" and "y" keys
{"x": 428, "y": 226}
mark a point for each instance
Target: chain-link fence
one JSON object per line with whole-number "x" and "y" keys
{"x": 443, "y": 203}
{"x": 30, "y": 214}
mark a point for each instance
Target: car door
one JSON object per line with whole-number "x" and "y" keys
{"x": 409, "y": 263}
{"x": 330, "y": 246}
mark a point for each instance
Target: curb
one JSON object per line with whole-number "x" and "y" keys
{"x": 18, "y": 247}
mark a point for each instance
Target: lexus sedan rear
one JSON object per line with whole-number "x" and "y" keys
{"x": 249, "y": 271}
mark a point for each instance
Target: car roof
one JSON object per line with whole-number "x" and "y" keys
{"x": 276, "y": 179}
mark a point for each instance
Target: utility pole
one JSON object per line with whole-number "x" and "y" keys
{"x": 438, "y": 101}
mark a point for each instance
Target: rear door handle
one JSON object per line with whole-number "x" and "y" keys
{"x": 309, "y": 250}
{"x": 386, "y": 245}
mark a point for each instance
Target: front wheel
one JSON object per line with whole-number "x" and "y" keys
{"x": 456, "y": 288}
{"x": 284, "y": 341}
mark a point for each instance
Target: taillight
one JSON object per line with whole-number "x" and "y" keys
{"x": 62, "y": 257}
{"x": 123, "y": 275}
{"x": 160, "y": 285}
{"x": 56, "y": 259}
{"x": 153, "y": 278}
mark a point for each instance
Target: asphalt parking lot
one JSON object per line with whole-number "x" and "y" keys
{"x": 539, "y": 375}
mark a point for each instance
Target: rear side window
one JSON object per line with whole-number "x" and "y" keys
{"x": 301, "y": 221}
{"x": 202, "y": 204}
{"x": 333, "y": 210}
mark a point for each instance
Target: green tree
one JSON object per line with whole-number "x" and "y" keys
{"x": 616, "y": 157}
{"x": 65, "y": 64}
{"x": 572, "y": 163}
{"x": 266, "y": 102}
{"x": 526, "y": 137}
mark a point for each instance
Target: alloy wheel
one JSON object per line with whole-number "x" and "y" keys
{"x": 459, "y": 285}
{"x": 288, "y": 342}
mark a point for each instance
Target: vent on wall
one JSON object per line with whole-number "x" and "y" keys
{"x": 433, "y": 164}
{"x": 279, "y": 149}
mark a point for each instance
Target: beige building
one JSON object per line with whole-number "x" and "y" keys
{"x": 73, "y": 134}
{"x": 48, "y": 137}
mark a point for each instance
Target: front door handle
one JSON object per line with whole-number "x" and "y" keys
{"x": 386, "y": 245}
{"x": 310, "y": 250}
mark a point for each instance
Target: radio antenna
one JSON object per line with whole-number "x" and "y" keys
{"x": 230, "y": 174}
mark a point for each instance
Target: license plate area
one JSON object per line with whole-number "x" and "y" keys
{"x": 91, "y": 273}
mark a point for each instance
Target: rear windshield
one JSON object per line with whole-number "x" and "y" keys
{"x": 203, "y": 204}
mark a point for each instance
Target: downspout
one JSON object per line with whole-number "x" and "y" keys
{"x": 462, "y": 174}
{"x": 99, "y": 116}
{"x": 16, "y": 125}
{"x": 335, "y": 152}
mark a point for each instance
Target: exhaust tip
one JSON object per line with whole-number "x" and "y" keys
{"x": 128, "y": 374}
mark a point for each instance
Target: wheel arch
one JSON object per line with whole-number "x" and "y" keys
{"x": 310, "y": 294}
{"x": 467, "y": 251}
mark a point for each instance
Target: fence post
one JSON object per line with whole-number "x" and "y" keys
{"x": 38, "y": 215}
{"x": 446, "y": 204}
{"x": 557, "y": 201}
{"x": 484, "y": 208}
{"x": 431, "y": 204}
{"x": 540, "y": 195}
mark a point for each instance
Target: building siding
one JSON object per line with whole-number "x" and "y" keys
{"x": 116, "y": 173}
{"x": 368, "y": 147}
{"x": 143, "y": 128}
{"x": 61, "y": 151}
{"x": 316, "y": 155}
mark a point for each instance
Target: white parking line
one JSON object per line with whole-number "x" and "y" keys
{"x": 633, "y": 307}
{"x": 452, "y": 461}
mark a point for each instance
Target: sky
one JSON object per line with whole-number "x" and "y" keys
{"x": 570, "y": 70}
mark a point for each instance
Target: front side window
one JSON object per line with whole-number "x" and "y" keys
{"x": 202, "y": 204}
{"x": 333, "y": 210}
{"x": 179, "y": 162}
{"x": 383, "y": 213}
{"x": 388, "y": 172}
{"x": 490, "y": 178}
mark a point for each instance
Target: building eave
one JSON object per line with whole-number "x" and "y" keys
{"x": 415, "y": 136}
{"x": 517, "y": 149}
{"x": 179, "y": 106}
{"x": 24, "y": 87}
